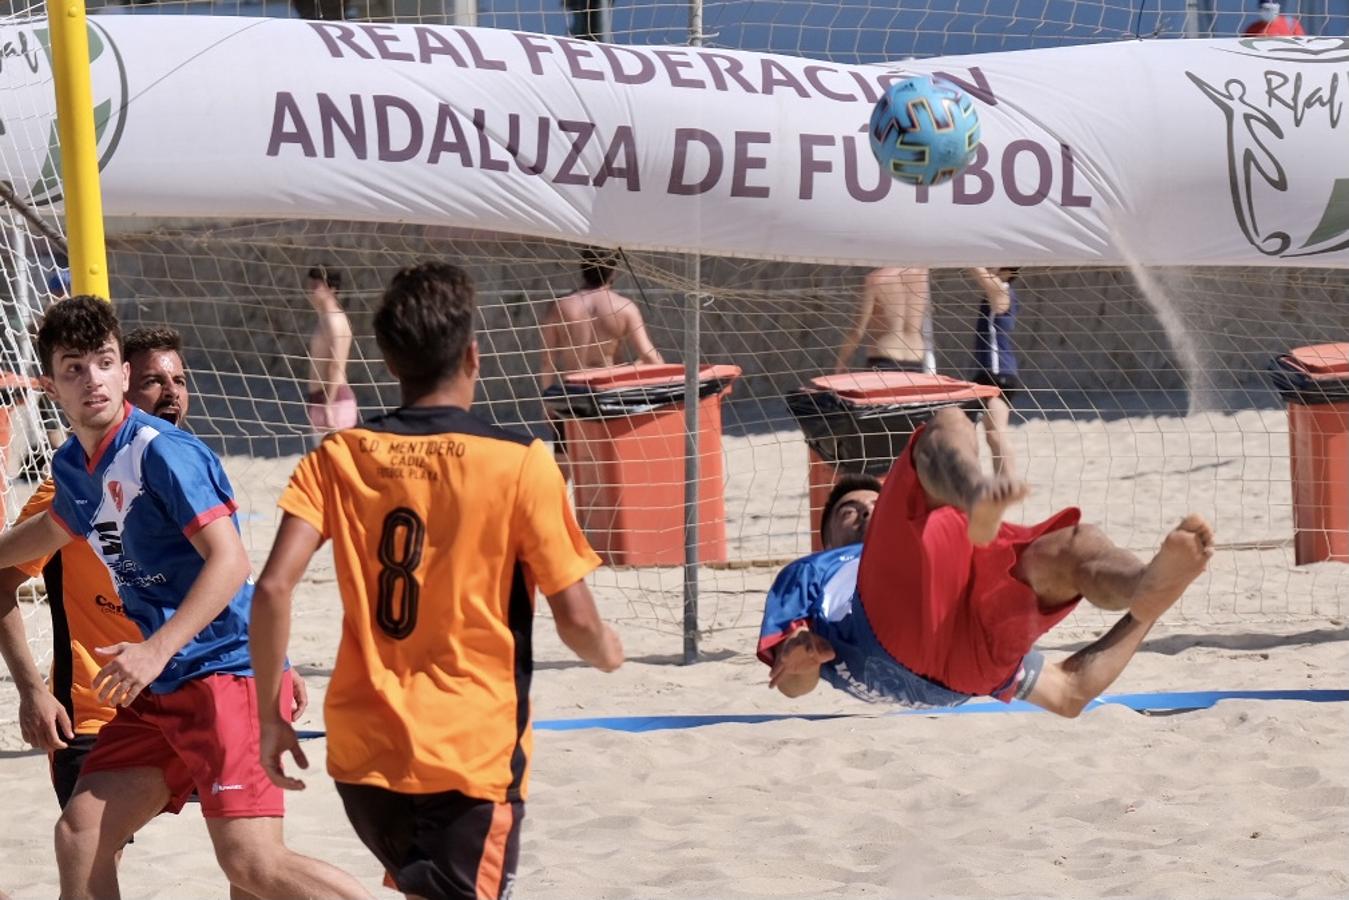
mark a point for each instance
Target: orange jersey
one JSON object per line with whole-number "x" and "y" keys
{"x": 442, "y": 526}
{"x": 86, "y": 613}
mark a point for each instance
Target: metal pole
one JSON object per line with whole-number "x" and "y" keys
{"x": 79, "y": 147}
{"x": 466, "y": 13}
{"x": 692, "y": 365}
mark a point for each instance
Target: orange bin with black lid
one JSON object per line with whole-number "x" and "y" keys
{"x": 860, "y": 422}
{"x": 624, "y": 428}
{"x": 1315, "y": 383}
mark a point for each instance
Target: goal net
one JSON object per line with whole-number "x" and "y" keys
{"x": 1147, "y": 392}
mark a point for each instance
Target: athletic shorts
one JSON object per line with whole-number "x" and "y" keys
{"x": 943, "y": 608}
{"x": 204, "y": 737}
{"x": 886, "y": 364}
{"x": 444, "y": 846}
{"x": 1010, "y": 385}
{"x": 66, "y": 765}
{"x": 332, "y": 415}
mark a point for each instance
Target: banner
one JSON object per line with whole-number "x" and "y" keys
{"x": 1223, "y": 152}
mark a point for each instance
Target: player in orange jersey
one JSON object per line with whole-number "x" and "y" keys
{"x": 442, "y": 527}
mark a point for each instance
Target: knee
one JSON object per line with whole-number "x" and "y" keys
{"x": 75, "y": 835}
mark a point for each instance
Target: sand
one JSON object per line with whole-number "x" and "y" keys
{"x": 1250, "y": 798}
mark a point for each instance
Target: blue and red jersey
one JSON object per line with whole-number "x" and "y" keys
{"x": 148, "y": 489}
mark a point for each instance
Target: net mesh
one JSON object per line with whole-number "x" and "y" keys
{"x": 1146, "y": 395}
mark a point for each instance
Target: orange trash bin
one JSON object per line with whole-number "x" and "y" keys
{"x": 624, "y": 428}
{"x": 1315, "y": 382}
{"x": 860, "y": 422}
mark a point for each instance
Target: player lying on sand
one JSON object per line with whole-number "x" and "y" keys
{"x": 927, "y": 598}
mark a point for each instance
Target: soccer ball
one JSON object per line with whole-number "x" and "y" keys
{"x": 924, "y": 130}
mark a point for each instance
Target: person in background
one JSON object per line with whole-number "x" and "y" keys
{"x": 588, "y": 328}
{"x": 331, "y": 403}
{"x": 894, "y": 305}
{"x": 995, "y": 358}
{"x": 1271, "y": 23}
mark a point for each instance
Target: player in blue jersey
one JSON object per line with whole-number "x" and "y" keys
{"x": 925, "y": 597}
{"x": 156, "y": 507}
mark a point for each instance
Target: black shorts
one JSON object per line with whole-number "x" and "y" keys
{"x": 444, "y": 846}
{"x": 886, "y": 364}
{"x": 1009, "y": 384}
{"x": 66, "y": 765}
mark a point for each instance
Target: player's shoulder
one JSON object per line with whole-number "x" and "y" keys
{"x": 822, "y": 565}
{"x": 444, "y": 421}
{"x": 166, "y": 440}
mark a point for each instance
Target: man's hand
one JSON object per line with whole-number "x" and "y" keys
{"x": 43, "y": 720}
{"x": 801, "y": 654}
{"x": 276, "y": 739}
{"x": 299, "y": 695}
{"x": 132, "y": 668}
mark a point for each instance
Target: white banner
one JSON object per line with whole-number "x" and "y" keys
{"x": 1225, "y": 152}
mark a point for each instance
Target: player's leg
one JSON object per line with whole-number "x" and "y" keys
{"x": 106, "y": 809}
{"x": 997, "y": 417}
{"x": 946, "y": 458}
{"x": 1082, "y": 561}
{"x": 253, "y": 855}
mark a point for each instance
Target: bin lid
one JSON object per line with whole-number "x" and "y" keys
{"x": 871, "y": 388}
{"x": 1323, "y": 360}
{"x": 637, "y": 375}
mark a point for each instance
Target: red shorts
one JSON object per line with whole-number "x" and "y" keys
{"x": 204, "y": 737}
{"x": 942, "y": 607}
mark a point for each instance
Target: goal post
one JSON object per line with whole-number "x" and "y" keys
{"x": 81, "y": 194}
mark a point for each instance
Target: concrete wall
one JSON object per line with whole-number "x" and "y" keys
{"x": 1090, "y": 341}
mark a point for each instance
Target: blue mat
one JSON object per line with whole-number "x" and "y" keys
{"x": 1162, "y": 702}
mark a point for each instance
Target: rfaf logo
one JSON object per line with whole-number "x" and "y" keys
{"x": 29, "y": 141}
{"x": 1294, "y": 111}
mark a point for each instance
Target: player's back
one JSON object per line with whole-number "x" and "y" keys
{"x": 900, "y": 297}
{"x": 435, "y": 521}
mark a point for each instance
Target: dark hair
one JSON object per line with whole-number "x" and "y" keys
{"x": 842, "y": 488}
{"x": 82, "y": 323}
{"x": 328, "y": 275}
{"x": 147, "y": 338}
{"x": 598, "y": 267}
{"x": 424, "y": 323}
{"x": 1013, "y": 272}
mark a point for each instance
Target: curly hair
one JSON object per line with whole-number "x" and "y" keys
{"x": 82, "y": 323}
{"x": 424, "y": 323}
{"x": 147, "y": 338}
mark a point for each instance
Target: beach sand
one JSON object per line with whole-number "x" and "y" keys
{"x": 1249, "y": 798}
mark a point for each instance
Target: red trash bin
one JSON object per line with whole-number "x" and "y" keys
{"x": 1315, "y": 382}
{"x": 624, "y": 428}
{"x": 860, "y": 422}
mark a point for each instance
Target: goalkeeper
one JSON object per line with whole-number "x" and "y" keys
{"x": 929, "y": 598}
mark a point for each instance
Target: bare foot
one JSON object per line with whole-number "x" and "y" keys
{"x": 985, "y": 513}
{"x": 1184, "y": 554}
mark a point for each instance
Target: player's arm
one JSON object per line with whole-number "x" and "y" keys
{"x": 580, "y": 627}
{"x": 36, "y": 538}
{"x": 995, "y": 289}
{"x": 796, "y": 667}
{"x": 133, "y": 666}
{"x": 42, "y": 720}
{"x": 859, "y": 329}
{"x": 1066, "y": 687}
{"x": 640, "y": 347}
{"x": 269, "y": 634}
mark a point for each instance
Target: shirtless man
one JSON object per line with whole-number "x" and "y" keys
{"x": 587, "y": 328}
{"x": 331, "y": 403}
{"x": 894, "y": 305}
